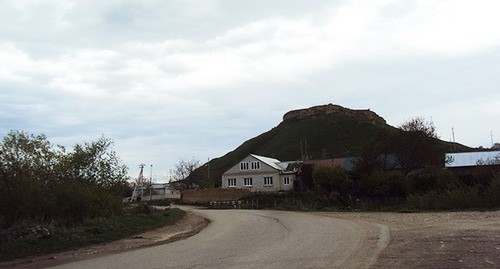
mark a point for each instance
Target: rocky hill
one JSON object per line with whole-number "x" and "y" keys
{"x": 326, "y": 131}
{"x": 333, "y": 109}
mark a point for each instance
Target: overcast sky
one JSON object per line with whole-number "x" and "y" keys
{"x": 170, "y": 80}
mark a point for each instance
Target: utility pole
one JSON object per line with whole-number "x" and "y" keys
{"x": 151, "y": 184}
{"x": 141, "y": 179}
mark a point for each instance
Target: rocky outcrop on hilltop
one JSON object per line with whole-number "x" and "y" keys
{"x": 333, "y": 109}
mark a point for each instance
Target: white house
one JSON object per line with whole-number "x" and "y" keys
{"x": 261, "y": 174}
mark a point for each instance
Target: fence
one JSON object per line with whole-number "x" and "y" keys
{"x": 203, "y": 196}
{"x": 245, "y": 204}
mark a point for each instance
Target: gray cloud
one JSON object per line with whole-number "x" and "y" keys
{"x": 182, "y": 79}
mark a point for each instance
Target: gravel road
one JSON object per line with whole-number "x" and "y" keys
{"x": 260, "y": 239}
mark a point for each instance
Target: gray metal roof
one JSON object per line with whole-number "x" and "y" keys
{"x": 269, "y": 161}
{"x": 464, "y": 159}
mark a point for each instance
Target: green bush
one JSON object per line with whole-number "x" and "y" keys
{"x": 384, "y": 184}
{"x": 143, "y": 208}
{"x": 163, "y": 202}
{"x": 307, "y": 200}
{"x": 330, "y": 178}
{"x": 432, "y": 178}
{"x": 494, "y": 190}
{"x": 457, "y": 198}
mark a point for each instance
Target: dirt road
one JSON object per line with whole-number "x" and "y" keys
{"x": 436, "y": 240}
{"x": 260, "y": 239}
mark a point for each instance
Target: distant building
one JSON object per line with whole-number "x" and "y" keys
{"x": 346, "y": 163}
{"x": 467, "y": 159}
{"x": 496, "y": 146}
{"x": 159, "y": 191}
{"x": 465, "y": 162}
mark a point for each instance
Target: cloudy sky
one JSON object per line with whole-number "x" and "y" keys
{"x": 171, "y": 80}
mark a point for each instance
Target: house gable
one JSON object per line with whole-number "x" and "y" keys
{"x": 254, "y": 164}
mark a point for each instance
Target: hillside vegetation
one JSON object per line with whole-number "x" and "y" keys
{"x": 319, "y": 132}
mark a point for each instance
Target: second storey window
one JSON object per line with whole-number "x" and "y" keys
{"x": 243, "y": 166}
{"x": 247, "y": 182}
{"x": 231, "y": 182}
{"x": 268, "y": 181}
{"x": 286, "y": 181}
{"x": 255, "y": 165}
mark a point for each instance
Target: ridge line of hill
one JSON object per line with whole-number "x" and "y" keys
{"x": 325, "y": 131}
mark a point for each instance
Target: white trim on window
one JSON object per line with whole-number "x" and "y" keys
{"x": 248, "y": 182}
{"x": 255, "y": 166}
{"x": 268, "y": 181}
{"x": 231, "y": 182}
{"x": 286, "y": 180}
{"x": 243, "y": 166}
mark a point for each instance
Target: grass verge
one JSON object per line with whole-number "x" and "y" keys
{"x": 90, "y": 232}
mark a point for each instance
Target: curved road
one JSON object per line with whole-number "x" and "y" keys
{"x": 260, "y": 239}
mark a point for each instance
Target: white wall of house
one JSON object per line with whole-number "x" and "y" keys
{"x": 258, "y": 176}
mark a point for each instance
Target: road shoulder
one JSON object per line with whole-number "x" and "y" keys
{"x": 190, "y": 225}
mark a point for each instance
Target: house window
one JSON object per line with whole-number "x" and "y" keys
{"x": 243, "y": 166}
{"x": 255, "y": 165}
{"x": 286, "y": 181}
{"x": 247, "y": 182}
{"x": 231, "y": 182}
{"x": 268, "y": 181}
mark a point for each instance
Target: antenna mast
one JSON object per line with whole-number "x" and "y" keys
{"x": 139, "y": 185}
{"x": 492, "y": 143}
{"x": 453, "y": 135}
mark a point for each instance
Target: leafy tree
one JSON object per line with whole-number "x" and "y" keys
{"x": 419, "y": 124}
{"x": 375, "y": 155}
{"x": 95, "y": 163}
{"x": 416, "y": 145}
{"x": 92, "y": 179}
{"x": 41, "y": 182}
{"x": 26, "y": 165}
{"x": 306, "y": 177}
{"x": 413, "y": 146}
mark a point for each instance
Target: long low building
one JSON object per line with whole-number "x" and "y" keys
{"x": 467, "y": 162}
{"x": 467, "y": 159}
